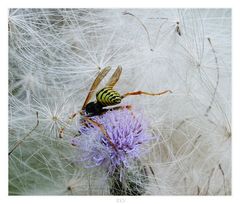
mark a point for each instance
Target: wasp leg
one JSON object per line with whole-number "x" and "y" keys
{"x": 144, "y": 93}
{"x": 101, "y": 127}
{"x": 129, "y": 107}
{"x": 70, "y": 118}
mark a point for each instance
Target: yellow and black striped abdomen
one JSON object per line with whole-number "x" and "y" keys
{"x": 108, "y": 97}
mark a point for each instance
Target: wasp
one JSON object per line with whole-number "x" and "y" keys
{"x": 104, "y": 98}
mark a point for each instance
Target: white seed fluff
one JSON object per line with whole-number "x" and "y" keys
{"x": 55, "y": 55}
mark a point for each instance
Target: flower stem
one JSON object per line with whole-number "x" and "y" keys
{"x": 131, "y": 183}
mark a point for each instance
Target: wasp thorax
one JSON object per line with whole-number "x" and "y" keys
{"x": 94, "y": 108}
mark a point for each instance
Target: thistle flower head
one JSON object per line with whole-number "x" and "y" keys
{"x": 127, "y": 133}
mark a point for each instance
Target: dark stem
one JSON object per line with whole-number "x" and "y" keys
{"x": 130, "y": 183}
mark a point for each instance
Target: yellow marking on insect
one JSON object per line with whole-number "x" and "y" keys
{"x": 108, "y": 96}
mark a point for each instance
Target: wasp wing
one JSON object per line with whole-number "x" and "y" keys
{"x": 95, "y": 84}
{"x": 114, "y": 78}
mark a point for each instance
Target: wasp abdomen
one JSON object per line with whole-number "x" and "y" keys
{"x": 108, "y": 97}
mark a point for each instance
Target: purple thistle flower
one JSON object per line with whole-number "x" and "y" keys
{"x": 127, "y": 132}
